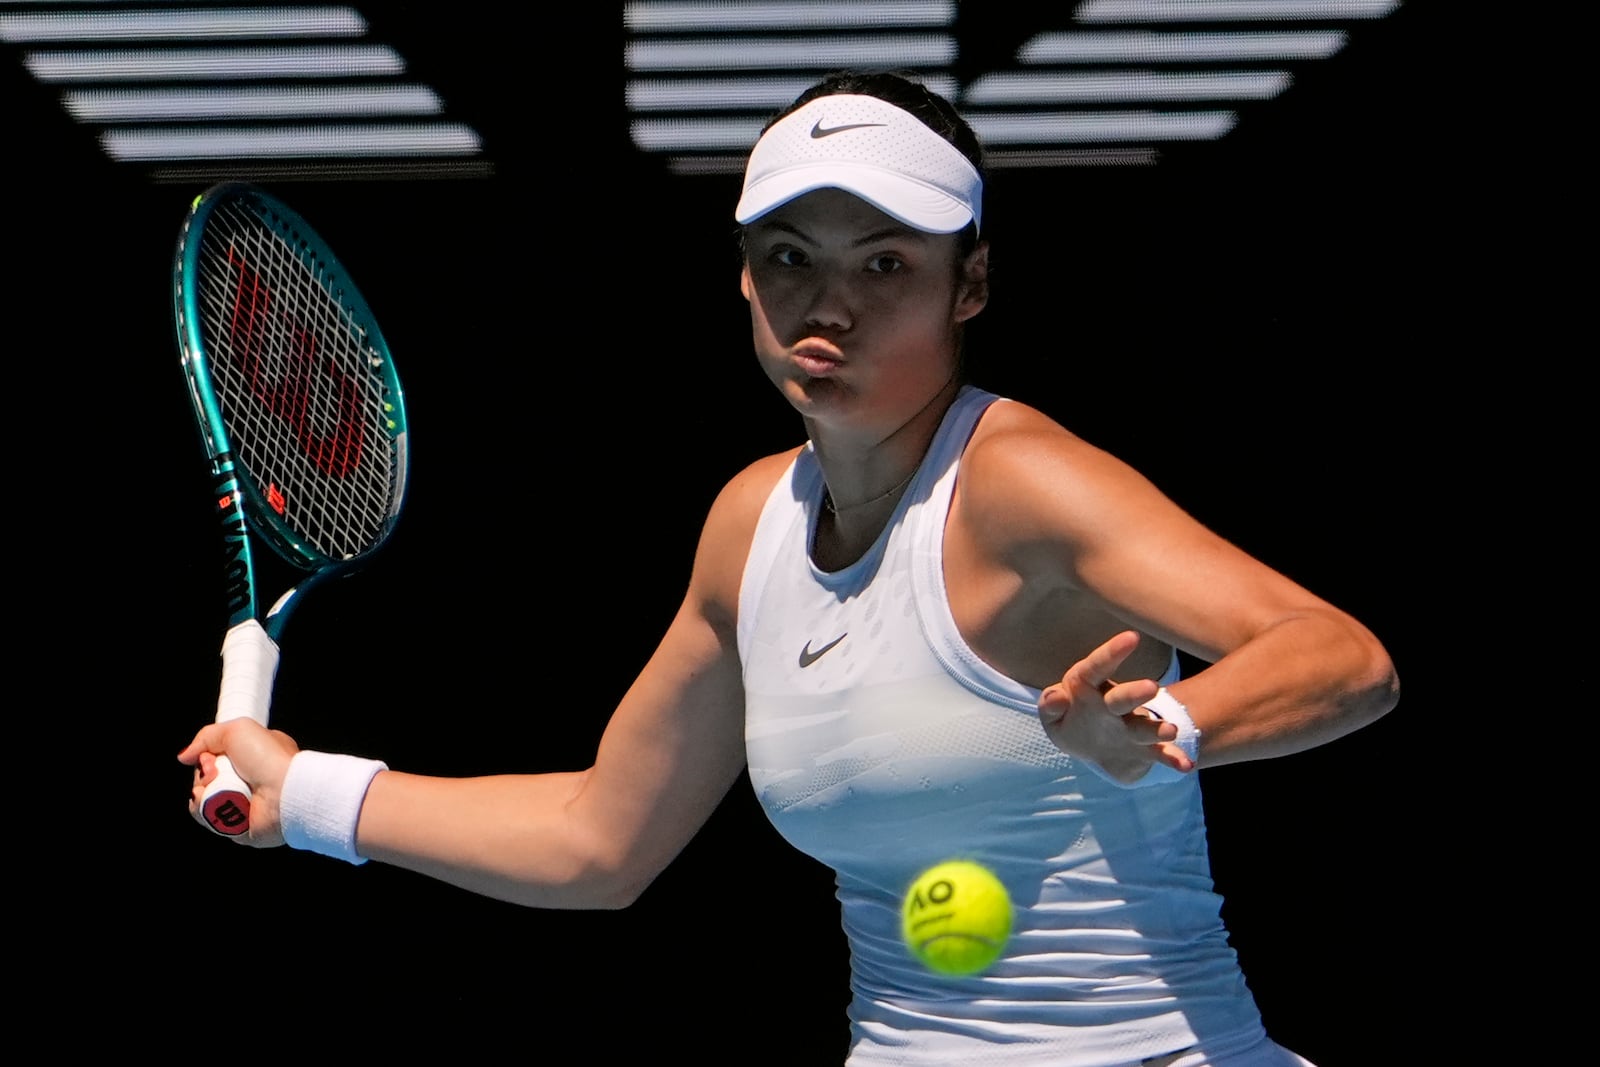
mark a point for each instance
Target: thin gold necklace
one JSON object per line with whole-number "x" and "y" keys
{"x": 827, "y": 495}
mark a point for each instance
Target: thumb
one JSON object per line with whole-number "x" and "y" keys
{"x": 206, "y": 741}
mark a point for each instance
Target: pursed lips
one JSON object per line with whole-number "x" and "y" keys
{"x": 817, "y": 357}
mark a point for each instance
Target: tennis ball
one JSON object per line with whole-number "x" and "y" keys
{"x": 956, "y": 917}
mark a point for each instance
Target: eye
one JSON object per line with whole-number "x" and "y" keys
{"x": 788, "y": 256}
{"x": 885, "y": 264}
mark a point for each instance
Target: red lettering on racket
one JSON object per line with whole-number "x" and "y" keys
{"x": 287, "y": 389}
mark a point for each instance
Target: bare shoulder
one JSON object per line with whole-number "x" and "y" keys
{"x": 729, "y": 529}
{"x": 738, "y": 504}
{"x": 1022, "y": 467}
{"x": 1015, "y": 431}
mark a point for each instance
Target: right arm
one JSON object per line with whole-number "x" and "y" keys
{"x": 588, "y": 839}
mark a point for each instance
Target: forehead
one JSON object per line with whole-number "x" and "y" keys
{"x": 833, "y": 214}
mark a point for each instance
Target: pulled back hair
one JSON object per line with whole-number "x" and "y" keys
{"x": 906, "y": 93}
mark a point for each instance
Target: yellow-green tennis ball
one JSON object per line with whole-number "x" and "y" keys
{"x": 956, "y": 917}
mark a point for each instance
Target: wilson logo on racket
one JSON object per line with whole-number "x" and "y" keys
{"x": 235, "y": 562}
{"x": 229, "y": 815}
{"x": 279, "y": 359}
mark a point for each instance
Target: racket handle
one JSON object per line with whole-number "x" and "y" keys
{"x": 249, "y": 664}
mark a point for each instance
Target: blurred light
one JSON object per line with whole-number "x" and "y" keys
{"x": 1079, "y": 126}
{"x": 182, "y": 22}
{"x": 142, "y": 105}
{"x": 333, "y": 61}
{"x": 720, "y": 18}
{"x": 1059, "y": 88}
{"x": 1072, "y": 157}
{"x": 1144, "y": 47}
{"x": 763, "y": 93}
{"x": 206, "y": 142}
{"x": 213, "y": 87}
{"x": 1226, "y": 10}
{"x": 813, "y": 53}
{"x": 1008, "y": 158}
{"x": 681, "y": 135}
{"x": 738, "y": 134}
{"x": 725, "y": 164}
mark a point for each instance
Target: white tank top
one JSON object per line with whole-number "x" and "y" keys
{"x": 880, "y": 744}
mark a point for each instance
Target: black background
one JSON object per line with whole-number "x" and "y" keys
{"x": 1262, "y": 326}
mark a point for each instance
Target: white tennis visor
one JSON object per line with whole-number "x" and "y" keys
{"x": 868, "y": 147}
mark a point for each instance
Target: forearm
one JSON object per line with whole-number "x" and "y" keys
{"x": 1303, "y": 682}
{"x": 518, "y": 838}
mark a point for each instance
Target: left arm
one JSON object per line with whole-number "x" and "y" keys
{"x": 1091, "y": 538}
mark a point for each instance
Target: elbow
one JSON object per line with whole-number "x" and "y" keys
{"x": 1387, "y": 694}
{"x": 1376, "y": 688}
{"x": 618, "y": 892}
{"x": 614, "y": 882}
{"x": 593, "y": 889}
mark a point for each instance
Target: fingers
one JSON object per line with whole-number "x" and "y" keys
{"x": 1121, "y": 699}
{"x": 1091, "y": 714}
{"x": 208, "y": 740}
{"x": 1098, "y": 669}
{"x": 1174, "y": 757}
{"x": 1096, "y": 672}
{"x": 1128, "y": 699}
{"x": 1143, "y": 730}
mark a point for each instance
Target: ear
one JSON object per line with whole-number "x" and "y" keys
{"x": 973, "y": 291}
{"x": 744, "y": 280}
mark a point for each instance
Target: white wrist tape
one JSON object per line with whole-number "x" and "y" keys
{"x": 321, "y": 802}
{"x": 1168, "y": 708}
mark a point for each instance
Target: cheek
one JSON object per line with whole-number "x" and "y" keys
{"x": 926, "y": 311}
{"x": 760, "y": 316}
{"x": 772, "y": 306}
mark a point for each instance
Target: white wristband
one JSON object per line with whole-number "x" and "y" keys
{"x": 1169, "y": 708}
{"x": 321, "y": 802}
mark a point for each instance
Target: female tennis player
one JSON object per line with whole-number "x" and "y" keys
{"x": 942, "y": 626}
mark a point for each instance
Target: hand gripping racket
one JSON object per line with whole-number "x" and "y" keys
{"x": 302, "y": 417}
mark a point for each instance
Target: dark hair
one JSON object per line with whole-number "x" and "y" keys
{"x": 906, "y": 93}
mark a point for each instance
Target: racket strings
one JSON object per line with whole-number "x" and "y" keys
{"x": 303, "y": 392}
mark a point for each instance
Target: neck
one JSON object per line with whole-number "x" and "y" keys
{"x": 865, "y": 465}
{"x": 893, "y": 490}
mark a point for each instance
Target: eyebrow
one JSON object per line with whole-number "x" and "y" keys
{"x": 885, "y": 233}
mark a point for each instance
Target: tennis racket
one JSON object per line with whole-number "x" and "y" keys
{"x": 302, "y": 417}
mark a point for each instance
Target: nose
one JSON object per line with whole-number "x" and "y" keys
{"x": 830, "y": 306}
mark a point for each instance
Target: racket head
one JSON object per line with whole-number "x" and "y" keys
{"x": 292, "y": 383}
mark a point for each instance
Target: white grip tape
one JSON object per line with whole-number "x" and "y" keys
{"x": 1169, "y": 708}
{"x": 249, "y": 664}
{"x": 321, "y": 802}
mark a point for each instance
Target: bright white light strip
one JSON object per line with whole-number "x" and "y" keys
{"x": 1226, "y": 10}
{"x": 1076, "y": 127}
{"x": 1139, "y": 47}
{"x": 200, "y": 142}
{"x": 334, "y": 61}
{"x": 741, "y": 53}
{"x": 998, "y": 160}
{"x": 144, "y": 105}
{"x": 1035, "y": 128}
{"x": 713, "y": 18}
{"x": 680, "y": 135}
{"x": 144, "y": 25}
{"x": 659, "y": 94}
{"x": 1071, "y": 157}
{"x": 1123, "y": 87}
